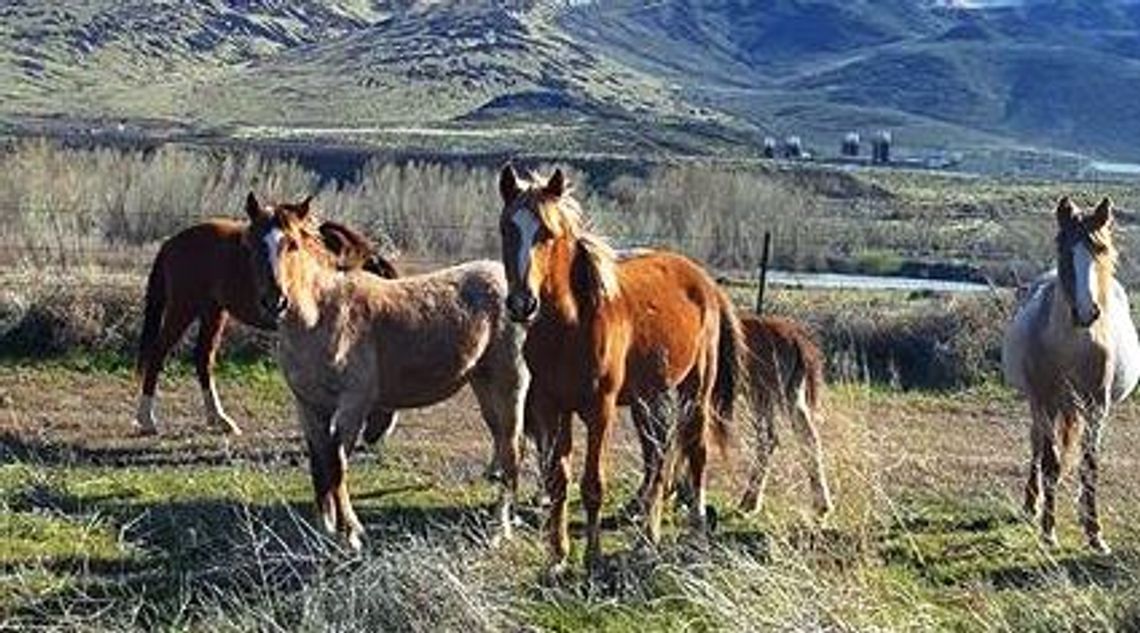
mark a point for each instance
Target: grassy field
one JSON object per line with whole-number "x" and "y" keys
{"x": 102, "y": 529}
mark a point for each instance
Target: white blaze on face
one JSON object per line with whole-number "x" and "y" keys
{"x": 1084, "y": 273}
{"x": 528, "y": 227}
{"x": 273, "y": 247}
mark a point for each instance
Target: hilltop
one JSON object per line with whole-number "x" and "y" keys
{"x": 604, "y": 76}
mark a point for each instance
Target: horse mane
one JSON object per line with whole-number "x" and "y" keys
{"x": 594, "y": 274}
{"x": 1100, "y": 244}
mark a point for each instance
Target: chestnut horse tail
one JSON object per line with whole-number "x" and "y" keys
{"x": 152, "y": 312}
{"x": 730, "y": 365}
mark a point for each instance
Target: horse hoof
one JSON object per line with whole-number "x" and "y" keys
{"x": 500, "y": 538}
{"x": 1097, "y": 545}
{"x": 631, "y": 512}
{"x": 749, "y": 505}
{"x": 1049, "y": 540}
{"x": 146, "y": 430}
{"x": 354, "y": 542}
{"x": 225, "y": 423}
{"x": 556, "y": 572}
{"x": 493, "y": 474}
{"x": 823, "y": 510}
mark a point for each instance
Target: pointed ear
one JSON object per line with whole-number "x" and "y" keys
{"x": 253, "y": 208}
{"x": 1066, "y": 212}
{"x": 1102, "y": 215}
{"x": 302, "y": 209}
{"x": 556, "y": 186}
{"x": 509, "y": 187}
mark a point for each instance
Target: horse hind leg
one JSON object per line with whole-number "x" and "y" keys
{"x": 804, "y": 425}
{"x": 764, "y": 423}
{"x": 651, "y": 423}
{"x": 175, "y": 319}
{"x": 502, "y": 402}
{"x": 210, "y": 328}
{"x": 694, "y": 443}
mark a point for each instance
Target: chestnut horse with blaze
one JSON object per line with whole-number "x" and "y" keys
{"x": 203, "y": 273}
{"x": 603, "y": 333}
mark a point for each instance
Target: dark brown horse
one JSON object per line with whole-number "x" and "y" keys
{"x": 203, "y": 273}
{"x": 785, "y": 370}
{"x": 604, "y": 333}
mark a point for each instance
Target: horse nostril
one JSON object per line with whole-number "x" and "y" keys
{"x": 522, "y": 305}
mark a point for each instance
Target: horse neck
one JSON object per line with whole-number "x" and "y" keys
{"x": 557, "y": 290}
{"x": 309, "y": 290}
{"x": 1061, "y": 312}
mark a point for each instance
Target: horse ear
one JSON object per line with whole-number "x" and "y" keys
{"x": 509, "y": 187}
{"x": 302, "y": 210}
{"x": 1066, "y": 211}
{"x": 253, "y": 208}
{"x": 556, "y": 186}
{"x": 1102, "y": 215}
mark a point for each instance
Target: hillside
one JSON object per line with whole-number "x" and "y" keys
{"x": 1044, "y": 74}
{"x": 623, "y": 76}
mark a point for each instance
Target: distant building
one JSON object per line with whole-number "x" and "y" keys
{"x": 793, "y": 147}
{"x": 881, "y": 148}
{"x": 850, "y": 146}
{"x": 769, "y": 147}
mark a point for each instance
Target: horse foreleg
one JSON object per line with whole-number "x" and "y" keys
{"x": 554, "y": 427}
{"x": 344, "y": 428}
{"x": 1037, "y": 433}
{"x": 812, "y": 454}
{"x": 599, "y": 421}
{"x": 1090, "y": 449}
{"x": 175, "y": 320}
{"x": 319, "y": 441}
{"x": 1050, "y": 474}
{"x": 210, "y": 328}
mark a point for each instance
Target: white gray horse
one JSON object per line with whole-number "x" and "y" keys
{"x": 1072, "y": 350}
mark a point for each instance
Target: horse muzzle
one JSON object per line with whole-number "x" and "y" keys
{"x": 522, "y": 307}
{"x": 275, "y": 307}
{"x": 1086, "y": 320}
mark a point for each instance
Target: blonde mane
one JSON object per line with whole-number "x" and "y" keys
{"x": 567, "y": 217}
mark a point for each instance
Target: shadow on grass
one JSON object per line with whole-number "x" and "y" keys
{"x": 1082, "y": 570}
{"x": 16, "y": 448}
{"x": 182, "y": 554}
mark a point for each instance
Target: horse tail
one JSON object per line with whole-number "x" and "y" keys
{"x": 1072, "y": 425}
{"x": 154, "y": 305}
{"x": 730, "y": 367}
{"x": 811, "y": 358}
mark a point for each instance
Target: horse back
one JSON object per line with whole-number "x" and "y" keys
{"x": 206, "y": 265}
{"x": 672, "y": 309}
{"x": 783, "y": 356}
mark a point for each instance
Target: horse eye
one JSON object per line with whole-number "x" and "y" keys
{"x": 290, "y": 244}
{"x": 543, "y": 233}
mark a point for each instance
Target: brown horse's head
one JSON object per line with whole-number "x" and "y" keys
{"x": 354, "y": 251}
{"x": 537, "y": 216}
{"x": 277, "y": 239}
{"x": 1086, "y": 258}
